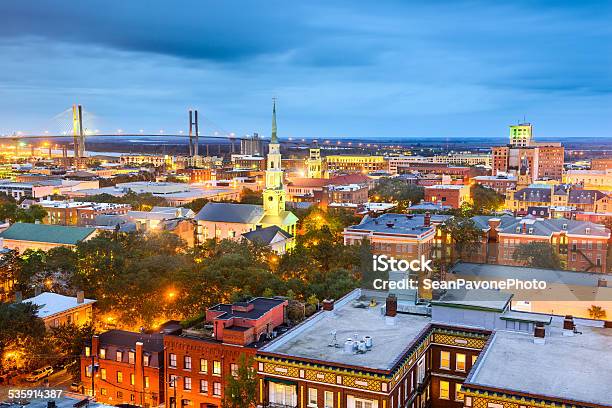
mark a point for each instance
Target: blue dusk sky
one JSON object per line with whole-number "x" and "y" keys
{"x": 338, "y": 68}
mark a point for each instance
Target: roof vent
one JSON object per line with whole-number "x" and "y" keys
{"x": 390, "y": 225}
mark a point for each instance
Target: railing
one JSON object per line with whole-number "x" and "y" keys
{"x": 277, "y": 405}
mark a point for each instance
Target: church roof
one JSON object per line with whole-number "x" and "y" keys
{"x": 266, "y": 235}
{"x": 284, "y": 218}
{"x": 228, "y": 212}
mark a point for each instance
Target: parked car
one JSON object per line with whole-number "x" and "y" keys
{"x": 39, "y": 374}
{"x": 76, "y": 387}
{"x": 5, "y": 377}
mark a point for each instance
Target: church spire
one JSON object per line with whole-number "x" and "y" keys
{"x": 274, "y": 138}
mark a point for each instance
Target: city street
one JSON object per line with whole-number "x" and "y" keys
{"x": 60, "y": 380}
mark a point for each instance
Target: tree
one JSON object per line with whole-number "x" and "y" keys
{"x": 464, "y": 234}
{"x": 537, "y": 255}
{"x": 393, "y": 189}
{"x": 241, "y": 386}
{"x": 251, "y": 197}
{"x": 67, "y": 343}
{"x": 597, "y": 312}
{"x": 485, "y": 200}
{"x": 20, "y": 327}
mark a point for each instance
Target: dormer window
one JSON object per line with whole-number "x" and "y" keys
{"x": 531, "y": 230}
{"x": 564, "y": 226}
{"x": 587, "y": 231}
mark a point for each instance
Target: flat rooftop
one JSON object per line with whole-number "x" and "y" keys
{"x": 406, "y": 224}
{"x": 576, "y": 368}
{"x": 352, "y": 316}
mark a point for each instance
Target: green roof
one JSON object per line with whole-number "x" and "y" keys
{"x": 57, "y": 234}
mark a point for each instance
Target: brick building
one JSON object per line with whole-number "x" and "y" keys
{"x": 79, "y": 213}
{"x": 127, "y": 368}
{"x": 501, "y": 183}
{"x": 199, "y": 358}
{"x": 453, "y": 195}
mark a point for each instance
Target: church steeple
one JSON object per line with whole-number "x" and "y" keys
{"x": 274, "y": 138}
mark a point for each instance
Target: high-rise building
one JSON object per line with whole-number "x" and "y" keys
{"x": 521, "y": 134}
{"x": 314, "y": 163}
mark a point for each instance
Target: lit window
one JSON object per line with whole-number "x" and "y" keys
{"x": 217, "y": 389}
{"x": 146, "y": 360}
{"x": 131, "y": 357}
{"x": 203, "y": 365}
{"x": 460, "y": 365}
{"x": 445, "y": 360}
{"x": 87, "y": 351}
{"x": 329, "y": 399}
{"x": 444, "y": 390}
{"x": 119, "y": 377}
{"x": 204, "y": 386}
{"x": 132, "y": 379}
{"x": 474, "y": 360}
{"x": 146, "y": 382}
{"x": 312, "y": 397}
{"x": 103, "y": 391}
{"x": 119, "y": 356}
{"x": 458, "y": 394}
{"x": 103, "y": 373}
{"x": 216, "y": 368}
{"x": 172, "y": 360}
{"x": 102, "y": 353}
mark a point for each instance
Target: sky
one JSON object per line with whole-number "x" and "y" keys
{"x": 337, "y": 68}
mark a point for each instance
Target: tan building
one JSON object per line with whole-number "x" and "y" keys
{"x": 596, "y": 179}
{"x": 363, "y": 164}
{"x": 56, "y": 309}
{"x": 77, "y": 212}
{"x": 23, "y": 236}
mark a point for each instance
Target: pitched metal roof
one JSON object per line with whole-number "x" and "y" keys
{"x": 266, "y": 235}
{"x": 57, "y": 234}
{"x": 227, "y": 212}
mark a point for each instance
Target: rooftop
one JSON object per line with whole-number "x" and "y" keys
{"x": 476, "y": 298}
{"x": 398, "y": 224}
{"x": 266, "y": 235}
{"x": 121, "y": 338}
{"x": 57, "y": 234}
{"x": 352, "y": 316}
{"x": 227, "y": 212}
{"x": 252, "y": 309}
{"x": 53, "y": 303}
{"x": 576, "y": 368}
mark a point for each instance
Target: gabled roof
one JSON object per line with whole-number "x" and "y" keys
{"x": 309, "y": 182}
{"x": 266, "y": 235}
{"x": 227, "y": 212}
{"x": 54, "y": 303}
{"x": 57, "y": 234}
{"x": 585, "y": 196}
{"x": 355, "y": 178}
{"x": 533, "y": 194}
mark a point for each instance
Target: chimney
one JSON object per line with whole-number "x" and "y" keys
{"x": 539, "y": 334}
{"x": 328, "y": 304}
{"x": 80, "y": 297}
{"x": 427, "y": 219}
{"x": 568, "y": 325}
{"x": 18, "y": 296}
{"x": 524, "y": 228}
{"x": 391, "y": 305}
{"x": 37, "y": 290}
{"x": 608, "y": 324}
{"x": 51, "y": 404}
{"x": 138, "y": 368}
{"x": 602, "y": 283}
{"x": 95, "y": 344}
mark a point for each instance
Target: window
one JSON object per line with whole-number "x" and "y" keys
{"x": 102, "y": 353}
{"x": 146, "y": 382}
{"x": 444, "y": 390}
{"x": 460, "y": 364}
{"x": 474, "y": 360}
{"x": 187, "y": 383}
{"x": 216, "y": 368}
{"x": 458, "y": 394}
{"x": 146, "y": 360}
{"x": 362, "y": 403}
{"x": 119, "y": 356}
{"x": 88, "y": 371}
{"x": 421, "y": 370}
{"x": 119, "y": 395}
{"x": 132, "y": 397}
{"x": 102, "y": 391}
{"x": 445, "y": 360}
{"x": 119, "y": 377}
{"x": 132, "y": 379}
{"x": 103, "y": 373}
{"x": 203, "y": 365}
{"x": 87, "y": 351}
{"x": 234, "y": 369}
{"x": 312, "y": 397}
{"x": 172, "y": 360}
{"x": 329, "y": 399}
{"x": 217, "y": 389}
{"x": 204, "y": 386}
{"x": 187, "y": 362}
{"x": 172, "y": 381}
{"x": 131, "y": 357}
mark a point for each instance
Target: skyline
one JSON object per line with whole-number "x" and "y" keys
{"x": 388, "y": 70}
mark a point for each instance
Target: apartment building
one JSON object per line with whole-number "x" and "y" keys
{"x": 502, "y": 183}
{"x": 120, "y": 367}
{"x": 354, "y": 163}
{"x": 202, "y": 356}
{"x": 79, "y": 212}
{"x": 453, "y": 195}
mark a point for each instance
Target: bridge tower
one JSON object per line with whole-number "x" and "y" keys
{"x": 77, "y": 131}
{"x": 194, "y": 133}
